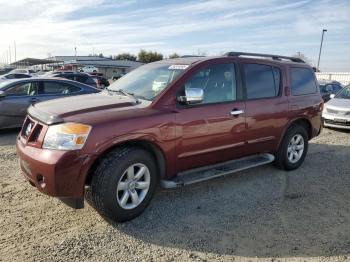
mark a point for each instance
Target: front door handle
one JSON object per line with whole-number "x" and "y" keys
{"x": 236, "y": 112}
{"x": 34, "y": 100}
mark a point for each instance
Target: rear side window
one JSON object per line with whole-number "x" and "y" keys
{"x": 261, "y": 81}
{"x": 51, "y": 87}
{"x": 302, "y": 81}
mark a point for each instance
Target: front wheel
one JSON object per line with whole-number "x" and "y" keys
{"x": 123, "y": 184}
{"x": 293, "y": 148}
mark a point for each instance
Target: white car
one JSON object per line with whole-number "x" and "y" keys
{"x": 22, "y": 71}
{"x": 336, "y": 112}
{"x": 89, "y": 69}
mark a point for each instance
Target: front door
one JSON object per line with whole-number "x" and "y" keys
{"x": 213, "y": 130}
{"x": 13, "y": 107}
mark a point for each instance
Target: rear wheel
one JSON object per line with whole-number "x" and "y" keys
{"x": 123, "y": 184}
{"x": 293, "y": 148}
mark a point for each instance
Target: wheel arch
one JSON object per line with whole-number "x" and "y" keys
{"x": 302, "y": 121}
{"x": 149, "y": 146}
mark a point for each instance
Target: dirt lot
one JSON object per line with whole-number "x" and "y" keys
{"x": 260, "y": 214}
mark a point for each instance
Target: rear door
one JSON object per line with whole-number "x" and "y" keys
{"x": 13, "y": 107}
{"x": 266, "y": 105}
{"x": 208, "y": 133}
{"x": 49, "y": 89}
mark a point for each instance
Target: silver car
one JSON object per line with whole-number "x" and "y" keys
{"x": 336, "y": 112}
{"x": 17, "y": 95}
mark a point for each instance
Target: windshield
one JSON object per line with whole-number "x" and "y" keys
{"x": 148, "y": 81}
{"x": 344, "y": 93}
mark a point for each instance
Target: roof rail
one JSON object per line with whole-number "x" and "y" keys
{"x": 274, "y": 57}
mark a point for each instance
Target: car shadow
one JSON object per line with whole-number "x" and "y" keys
{"x": 262, "y": 212}
{"x": 8, "y": 136}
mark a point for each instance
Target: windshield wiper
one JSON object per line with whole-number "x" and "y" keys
{"x": 131, "y": 95}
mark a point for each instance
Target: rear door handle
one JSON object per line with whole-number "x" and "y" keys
{"x": 236, "y": 112}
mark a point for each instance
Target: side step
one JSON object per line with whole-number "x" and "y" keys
{"x": 209, "y": 172}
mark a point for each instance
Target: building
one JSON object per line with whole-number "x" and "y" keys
{"x": 106, "y": 66}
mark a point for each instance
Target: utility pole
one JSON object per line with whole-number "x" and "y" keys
{"x": 14, "y": 44}
{"x": 10, "y": 53}
{"x": 319, "y": 55}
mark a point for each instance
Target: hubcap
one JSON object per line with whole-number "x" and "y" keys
{"x": 295, "y": 148}
{"x": 133, "y": 186}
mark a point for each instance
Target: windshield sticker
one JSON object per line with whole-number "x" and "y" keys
{"x": 178, "y": 67}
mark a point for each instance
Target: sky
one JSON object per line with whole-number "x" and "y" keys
{"x": 55, "y": 27}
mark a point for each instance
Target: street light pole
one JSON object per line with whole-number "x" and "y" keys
{"x": 319, "y": 55}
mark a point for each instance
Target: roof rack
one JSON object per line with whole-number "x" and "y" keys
{"x": 274, "y": 57}
{"x": 185, "y": 56}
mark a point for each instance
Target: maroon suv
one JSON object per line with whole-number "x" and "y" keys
{"x": 173, "y": 122}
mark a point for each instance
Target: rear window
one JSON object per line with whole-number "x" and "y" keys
{"x": 302, "y": 81}
{"x": 262, "y": 81}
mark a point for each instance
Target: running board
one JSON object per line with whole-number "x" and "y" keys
{"x": 209, "y": 172}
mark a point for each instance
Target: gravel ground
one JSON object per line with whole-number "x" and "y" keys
{"x": 262, "y": 214}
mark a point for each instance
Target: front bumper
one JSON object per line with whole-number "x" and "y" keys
{"x": 53, "y": 172}
{"x": 336, "y": 121}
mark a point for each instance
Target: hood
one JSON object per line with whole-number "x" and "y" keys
{"x": 54, "y": 111}
{"x": 339, "y": 103}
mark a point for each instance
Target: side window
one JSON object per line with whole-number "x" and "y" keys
{"x": 81, "y": 79}
{"x": 217, "y": 81}
{"x": 51, "y": 88}
{"x": 261, "y": 81}
{"x": 22, "y": 89}
{"x": 302, "y": 81}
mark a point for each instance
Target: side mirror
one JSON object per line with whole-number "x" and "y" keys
{"x": 192, "y": 96}
{"x": 332, "y": 96}
{"x": 2, "y": 94}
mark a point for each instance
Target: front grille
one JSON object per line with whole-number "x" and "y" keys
{"x": 339, "y": 123}
{"x": 31, "y": 131}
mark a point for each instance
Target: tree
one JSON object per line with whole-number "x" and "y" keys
{"x": 303, "y": 57}
{"x": 125, "y": 56}
{"x": 149, "y": 56}
{"x": 100, "y": 55}
{"x": 173, "y": 55}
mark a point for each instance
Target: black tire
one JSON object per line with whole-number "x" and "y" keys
{"x": 102, "y": 193}
{"x": 282, "y": 161}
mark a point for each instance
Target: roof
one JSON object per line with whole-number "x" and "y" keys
{"x": 33, "y": 61}
{"x": 96, "y": 61}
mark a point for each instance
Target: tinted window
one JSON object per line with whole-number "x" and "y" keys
{"x": 22, "y": 76}
{"x": 51, "y": 87}
{"x": 22, "y": 89}
{"x": 302, "y": 81}
{"x": 217, "y": 81}
{"x": 81, "y": 78}
{"x": 261, "y": 80}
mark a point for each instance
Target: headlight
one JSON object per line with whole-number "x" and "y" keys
{"x": 67, "y": 136}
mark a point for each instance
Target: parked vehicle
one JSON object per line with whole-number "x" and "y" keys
{"x": 214, "y": 116}
{"x": 116, "y": 76}
{"x": 14, "y": 76}
{"x": 76, "y": 76}
{"x": 17, "y": 95}
{"x": 336, "y": 112}
{"x": 22, "y": 71}
{"x": 89, "y": 69}
{"x": 101, "y": 81}
{"x": 329, "y": 88}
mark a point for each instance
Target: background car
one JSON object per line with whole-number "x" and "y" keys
{"x": 17, "y": 95}
{"x": 89, "y": 69}
{"x": 336, "y": 112}
{"x": 14, "y": 76}
{"x": 76, "y": 76}
{"x": 101, "y": 81}
{"x": 22, "y": 71}
{"x": 329, "y": 88}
